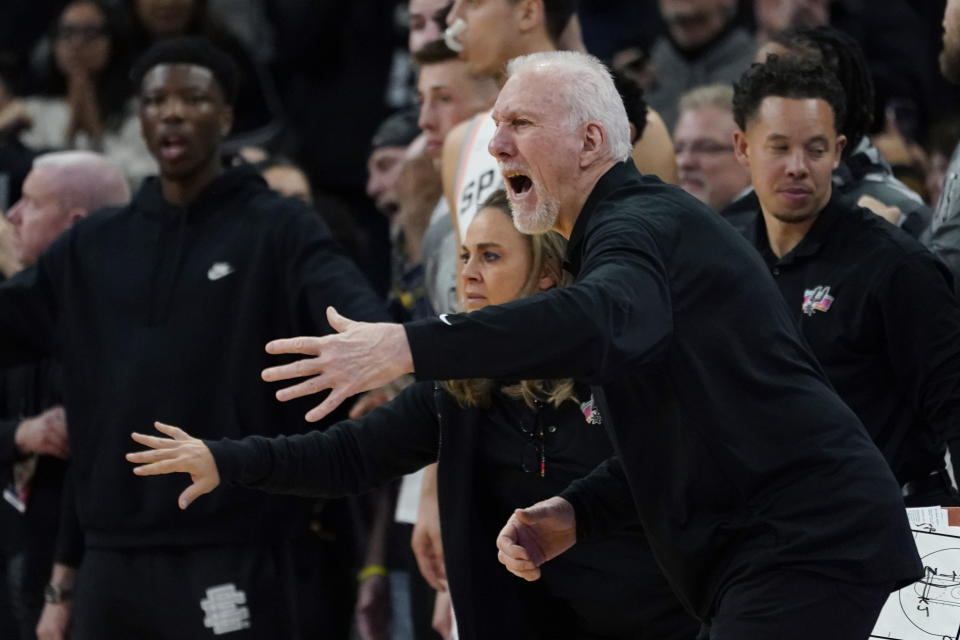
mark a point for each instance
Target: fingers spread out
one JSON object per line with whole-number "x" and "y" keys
{"x": 314, "y": 385}
{"x": 163, "y": 466}
{"x": 152, "y": 455}
{"x": 174, "y": 432}
{"x": 305, "y": 345}
{"x": 298, "y": 369}
{"x": 332, "y": 401}
{"x": 154, "y": 442}
{"x": 190, "y": 494}
{"x": 337, "y": 322}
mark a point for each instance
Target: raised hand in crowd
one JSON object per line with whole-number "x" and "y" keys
{"x": 82, "y": 50}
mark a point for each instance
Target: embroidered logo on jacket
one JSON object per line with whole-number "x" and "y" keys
{"x": 590, "y": 412}
{"x": 816, "y": 299}
{"x": 223, "y": 609}
{"x": 219, "y": 270}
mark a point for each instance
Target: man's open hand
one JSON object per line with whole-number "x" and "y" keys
{"x": 180, "y": 453}
{"x": 359, "y": 357}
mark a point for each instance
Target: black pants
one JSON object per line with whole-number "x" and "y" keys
{"x": 239, "y": 592}
{"x": 794, "y": 605}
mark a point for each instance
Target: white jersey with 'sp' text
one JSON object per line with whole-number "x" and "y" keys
{"x": 477, "y": 172}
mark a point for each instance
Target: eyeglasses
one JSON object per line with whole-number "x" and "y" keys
{"x": 703, "y": 147}
{"x": 81, "y": 32}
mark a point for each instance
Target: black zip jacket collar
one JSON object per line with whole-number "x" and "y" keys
{"x": 607, "y": 184}
{"x": 811, "y": 243}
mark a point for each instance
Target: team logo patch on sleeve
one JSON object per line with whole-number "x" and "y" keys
{"x": 816, "y": 299}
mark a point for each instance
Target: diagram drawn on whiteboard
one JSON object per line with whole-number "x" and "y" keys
{"x": 928, "y": 609}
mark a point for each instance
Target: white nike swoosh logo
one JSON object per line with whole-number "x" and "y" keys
{"x": 219, "y": 270}
{"x": 443, "y": 319}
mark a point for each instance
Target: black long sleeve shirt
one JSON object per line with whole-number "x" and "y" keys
{"x": 878, "y": 310}
{"x": 739, "y": 455}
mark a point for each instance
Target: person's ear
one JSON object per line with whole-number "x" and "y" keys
{"x": 530, "y": 15}
{"x": 841, "y": 144}
{"x": 593, "y": 147}
{"x": 546, "y": 281}
{"x": 226, "y": 121}
{"x": 741, "y": 148}
{"x": 74, "y": 214}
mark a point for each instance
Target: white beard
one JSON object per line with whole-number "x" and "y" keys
{"x": 541, "y": 219}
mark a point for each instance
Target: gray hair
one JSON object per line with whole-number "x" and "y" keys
{"x": 85, "y": 180}
{"x": 587, "y": 87}
{"x": 708, "y": 95}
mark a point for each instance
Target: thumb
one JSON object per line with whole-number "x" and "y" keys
{"x": 169, "y": 430}
{"x": 337, "y": 321}
{"x": 526, "y": 517}
{"x": 189, "y": 494}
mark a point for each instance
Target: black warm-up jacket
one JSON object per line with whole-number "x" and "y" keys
{"x": 161, "y": 313}
{"x": 878, "y": 311}
{"x": 739, "y": 456}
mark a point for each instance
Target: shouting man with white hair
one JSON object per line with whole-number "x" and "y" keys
{"x": 766, "y": 504}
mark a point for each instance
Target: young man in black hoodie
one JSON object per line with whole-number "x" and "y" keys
{"x": 160, "y": 310}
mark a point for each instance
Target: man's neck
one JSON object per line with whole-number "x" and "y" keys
{"x": 784, "y": 236}
{"x": 570, "y": 211}
{"x": 183, "y": 191}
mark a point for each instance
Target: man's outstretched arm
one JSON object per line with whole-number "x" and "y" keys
{"x": 616, "y": 317}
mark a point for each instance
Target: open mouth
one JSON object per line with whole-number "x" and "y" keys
{"x": 172, "y": 147}
{"x": 519, "y": 183}
{"x": 389, "y": 209}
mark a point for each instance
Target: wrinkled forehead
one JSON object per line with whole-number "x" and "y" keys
{"x": 534, "y": 92}
{"x": 179, "y": 76}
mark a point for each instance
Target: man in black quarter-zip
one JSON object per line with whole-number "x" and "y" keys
{"x": 767, "y": 506}
{"x": 159, "y": 310}
{"x": 877, "y": 308}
